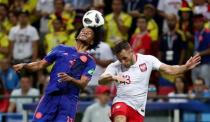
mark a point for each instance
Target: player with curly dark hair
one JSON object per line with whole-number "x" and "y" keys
{"x": 72, "y": 70}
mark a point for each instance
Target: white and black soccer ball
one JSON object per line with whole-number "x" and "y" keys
{"x": 92, "y": 18}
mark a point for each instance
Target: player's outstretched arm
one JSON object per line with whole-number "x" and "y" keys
{"x": 82, "y": 82}
{"x": 33, "y": 66}
{"x": 180, "y": 69}
{"x": 105, "y": 79}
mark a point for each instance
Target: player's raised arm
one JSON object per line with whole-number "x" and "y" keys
{"x": 107, "y": 76}
{"x": 38, "y": 65}
{"x": 103, "y": 79}
{"x": 180, "y": 69}
{"x": 82, "y": 82}
{"x": 33, "y": 66}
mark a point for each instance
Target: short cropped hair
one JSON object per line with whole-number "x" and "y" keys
{"x": 121, "y": 46}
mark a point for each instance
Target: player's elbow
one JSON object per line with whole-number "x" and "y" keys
{"x": 82, "y": 85}
{"x": 101, "y": 81}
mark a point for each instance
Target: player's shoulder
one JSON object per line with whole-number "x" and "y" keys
{"x": 115, "y": 64}
{"x": 62, "y": 46}
{"x": 146, "y": 58}
{"x": 91, "y": 59}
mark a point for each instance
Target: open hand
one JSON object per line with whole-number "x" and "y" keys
{"x": 64, "y": 77}
{"x": 193, "y": 61}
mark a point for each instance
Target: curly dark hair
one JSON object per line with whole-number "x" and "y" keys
{"x": 96, "y": 40}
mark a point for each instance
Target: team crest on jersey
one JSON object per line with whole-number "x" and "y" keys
{"x": 143, "y": 67}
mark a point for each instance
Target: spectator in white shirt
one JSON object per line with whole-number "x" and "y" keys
{"x": 25, "y": 90}
{"x": 103, "y": 56}
{"x": 23, "y": 40}
{"x": 44, "y": 8}
{"x": 180, "y": 91}
{"x": 166, "y": 7}
{"x": 100, "y": 110}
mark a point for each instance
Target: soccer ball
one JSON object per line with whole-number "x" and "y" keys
{"x": 92, "y": 18}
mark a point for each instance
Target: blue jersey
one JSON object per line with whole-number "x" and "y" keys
{"x": 75, "y": 64}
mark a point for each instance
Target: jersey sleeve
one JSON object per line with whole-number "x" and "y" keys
{"x": 34, "y": 35}
{"x": 155, "y": 63}
{"x": 89, "y": 69}
{"x": 12, "y": 35}
{"x": 111, "y": 70}
{"x": 52, "y": 55}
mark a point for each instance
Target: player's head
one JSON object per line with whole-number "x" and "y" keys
{"x": 89, "y": 36}
{"x": 124, "y": 53}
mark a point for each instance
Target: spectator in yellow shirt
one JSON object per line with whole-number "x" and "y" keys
{"x": 4, "y": 22}
{"x": 67, "y": 14}
{"x": 152, "y": 27}
{"x": 4, "y": 1}
{"x": 25, "y": 5}
{"x": 4, "y": 44}
{"x": 59, "y": 36}
{"x": 117, "y": 23}
{"x": 22, "y": 5}
{"x": 149, "y": 11}
{"x": 78, "y": 25}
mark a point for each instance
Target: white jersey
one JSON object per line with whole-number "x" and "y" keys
{"x": 134, "y": 93}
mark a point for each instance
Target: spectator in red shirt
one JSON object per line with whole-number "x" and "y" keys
{"x": 141, "y": 42}
{"x": 4, "y": 102}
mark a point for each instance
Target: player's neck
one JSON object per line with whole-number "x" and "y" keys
{"x": 80, "y": 47}
{"x": 134, "y": 59}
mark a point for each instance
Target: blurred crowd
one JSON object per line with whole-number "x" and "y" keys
{"x": 172, "y": 30}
